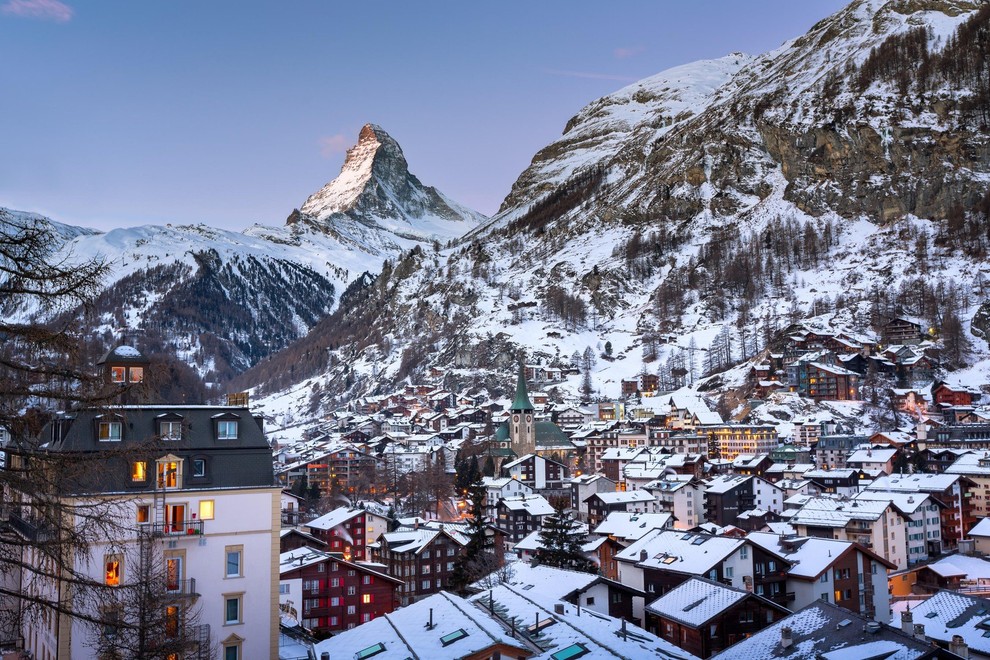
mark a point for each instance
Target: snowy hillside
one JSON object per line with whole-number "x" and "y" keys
{"x": 687, "y": 220}
{"x": 223, "y": 300}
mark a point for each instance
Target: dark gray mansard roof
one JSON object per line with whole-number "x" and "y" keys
{"x": 244, "y": 462}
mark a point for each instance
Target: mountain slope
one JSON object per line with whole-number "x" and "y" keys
{"x": 726, "y": 198}
{"x": 224, "y": 300}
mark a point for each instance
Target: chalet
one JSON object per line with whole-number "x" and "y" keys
{"x": 819, "y": 379}
{"x": 423, "y": 556}
{"x": 704, "y": 617}
{"x": 867, "y": 522}
{"x": 730, "y": 495}
{"x": 583, "y": 486}
{"x": 348, "y": 531}
{"x": 293, "y": 539}
{"x": 599, "y": 505}
{"x": 627, "y": 528}
{"x": 542, "y": 475}
{"x": 956, "y": 572}
{"x": 521, "y": 515}
{"x": 750, "y": 464}
{"x": 665, "y": 559}
{"x": 497, "y": 488}
{"x": 901, "y": 330}
{"x": 872, "y": 460}
{"x": 823, "y": 569}
{"x": 681, "y": 496}
{"x": 330, "y": 594}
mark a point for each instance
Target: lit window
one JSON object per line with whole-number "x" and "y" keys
{"x": 233, "y": 561}
{"x": 110, "y": 431}
{"x": 366, "y": 599}
{"x": 227, "y": 430}
{"x": 136, "y": 374}
{"x": 143, "y": 513}
{"x": 168, "y": 474}
{"x": 118, "y": 374}
{"x": 112, "y": 578}
{"x": 139, "y": 471}
{"x": 171, "y": 621}
{"x": 206, "y": 509}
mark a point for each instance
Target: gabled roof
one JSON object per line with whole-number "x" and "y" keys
{"x": 336, "y": 517}
{"x": 679, "y": 551}
{"x": 809, "y": 557}
{"x": 623, "y": 497}
{"x": 632, "y": 526}
{"x": 949, "y": 613}
{"x": 825, "y": 631}
{"x": 459, "y": 630}
{"x": 697, "y": 601}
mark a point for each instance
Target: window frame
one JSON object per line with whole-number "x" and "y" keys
{"x": 110, "y": 425}
{"x": 237, "y": 598}
{"x": 229, "y": 550}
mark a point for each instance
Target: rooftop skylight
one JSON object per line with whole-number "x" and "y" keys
{"x": 370, "y": 651}
{"x": 450, "y": 638}
{"x": 571, "y": 652}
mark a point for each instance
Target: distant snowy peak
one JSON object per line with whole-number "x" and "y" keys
{"x": 376, "y": 190}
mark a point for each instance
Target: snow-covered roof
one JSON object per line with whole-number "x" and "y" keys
{"x": 872, "y": 455}
{"x": 535, "y": 505}
{"x": 917, "y": 482}
{"x": 964, "y": 566}
{"x": 908, "y": 503}
{"x": 834, "y": 512}
{"x": 624, "y": 497}
{"x": 981, "y": 529}
{"x": 682, "y": 552}
{"x": 459, "y": 629}
{"x": 971, "y": 463}
{"x": 822, "y": 630}
{"x": 334, "y": 518}
{"x": 949, "y": 613}
{"x": 725, "y": 483}
{"x": 632, "y": 526}
{"x": 809, "y": 556}
{"x": 696, "y": 602}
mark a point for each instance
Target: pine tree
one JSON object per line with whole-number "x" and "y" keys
{"x": 561, "y": 539}
{"x": 476, "y": 559}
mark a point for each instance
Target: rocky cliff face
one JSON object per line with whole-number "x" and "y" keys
{"x": 376, "y": 194}
{"x": 724, "y": 197}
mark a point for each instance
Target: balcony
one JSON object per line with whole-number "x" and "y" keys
{"x": 181, "y": 589}
{"x": 192, "y": 528}
{"x": 32, "y": 529}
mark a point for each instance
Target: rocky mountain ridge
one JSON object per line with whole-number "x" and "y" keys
{"x": 224, "y": 300}
{"x": 724, "y": 198}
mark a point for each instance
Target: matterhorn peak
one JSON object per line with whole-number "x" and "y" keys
{"x": 376, "y": 189}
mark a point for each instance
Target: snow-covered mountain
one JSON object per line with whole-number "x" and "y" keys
{"x": 375, "y": 195}
{"x": 838, "y": 178}
{"x": 223, "y": 299}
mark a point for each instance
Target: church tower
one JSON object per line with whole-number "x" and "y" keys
{"x": 522, "y": 426}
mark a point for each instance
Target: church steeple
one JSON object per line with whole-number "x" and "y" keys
{"x": 522, "y": 402}
{"x": 522, "y": 427}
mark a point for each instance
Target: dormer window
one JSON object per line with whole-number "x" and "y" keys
{"x": 118, "y": 374}
{"x": 170, "y": 426}
{"x": 226, "y": 426}
{"x": 135, "y": 374}
{"x": 109, "y": 430}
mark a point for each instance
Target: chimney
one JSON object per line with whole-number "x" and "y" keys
{"x": 907, "y": 621}
{"x": 919, "y": 631}
{"x": 786, "y": 637}
{"x": 429, "y": 625}
{"x": 325, "y": 655}
{"x": 959, "y": 647}
{"x": 558, "y": 608}
{"x": 643, "y": 555}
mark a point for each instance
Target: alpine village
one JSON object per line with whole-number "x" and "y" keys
{"x": 714, "y": 382}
